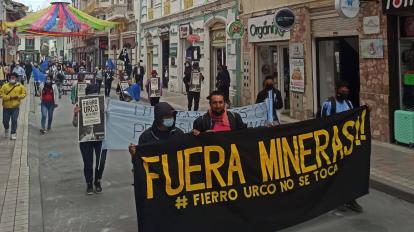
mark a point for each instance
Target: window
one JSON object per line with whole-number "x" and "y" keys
{"x": 29, "y": 44}
{"x": 407, "y": 62}
{"x": 188, "y": 4}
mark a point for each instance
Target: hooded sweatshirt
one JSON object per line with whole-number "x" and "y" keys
{"x": 153, "y": 134}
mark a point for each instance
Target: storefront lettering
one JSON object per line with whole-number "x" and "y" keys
{"x": 260, "y": 31}
{"x": 398, "y": 3}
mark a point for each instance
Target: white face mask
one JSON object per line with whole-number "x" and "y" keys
{"x": 12, "y": 81}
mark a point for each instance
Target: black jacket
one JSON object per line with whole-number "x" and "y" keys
{"x": 153, "y": 134}
{"x": 223, "y": 79}
{"x": 205, "y": 123}
{"x": 277, "y": 99}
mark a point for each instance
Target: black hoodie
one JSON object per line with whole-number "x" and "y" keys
{"x": 153, "y": 134}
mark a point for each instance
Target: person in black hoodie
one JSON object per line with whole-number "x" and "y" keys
{"x": 268, "y": 85}
{"x": 223, "y": 82}
{"x": 163, "y": 128}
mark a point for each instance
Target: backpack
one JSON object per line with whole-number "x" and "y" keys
{"x": 47, "y": 96}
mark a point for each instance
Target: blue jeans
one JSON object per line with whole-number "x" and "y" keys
{"x": 47, "y": 110}
{"x": 14, "y": 115}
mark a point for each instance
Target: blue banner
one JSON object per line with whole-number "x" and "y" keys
{"x": 126, "y": 121}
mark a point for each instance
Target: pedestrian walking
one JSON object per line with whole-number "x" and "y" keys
{"x": 337, "y": 104}
{"x": 74, "y": 89}
{"x": 49, "y": 95}
{"x": 218, "y": 118}
{"x": 223, "y": 82}
{"x": 60, "y": 79}
{"x": 193, "y": 93}
{"x": 154, "y": 88}
{"x": 108, "y": 78}
{"x": 12, "y": 93}
{"x": 87, "y": 149}
{"x": 268, "y": 86}
{"x": 139, "y": 73}
{"x": 20, "y": 73}
{"x": 28, "y": 69}
{"x": 99, "y": 78}
{"x": 187, "y": 75}
{"x": 162, "y": 129}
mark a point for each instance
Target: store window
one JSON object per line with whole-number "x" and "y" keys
{"x": 407, "y": 62}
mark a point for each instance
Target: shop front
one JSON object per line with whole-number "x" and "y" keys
{"x": 400, "y": 17}
{"x": 271, "y": 55}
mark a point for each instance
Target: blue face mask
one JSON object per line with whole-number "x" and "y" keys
{"x": 168, "y": 122}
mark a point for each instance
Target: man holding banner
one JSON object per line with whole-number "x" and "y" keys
{"x": 334, "y": 105}
{"x": 162, "y": 129}
{"x": 218, "y": 118}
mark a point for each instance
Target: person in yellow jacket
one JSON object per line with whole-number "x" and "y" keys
{"x": 11, "y": 93}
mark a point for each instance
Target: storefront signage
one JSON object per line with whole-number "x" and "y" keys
{"x": 263, "y": 29}
{"x": 297, "y": 75}
{"x": 185, "y": 30}
{"x": 347, "y": 8}
{"x": 219, "y": 38}
{"x": 193, "y": 38}
{"x": 296, "y": 50}
{"x": 164, "y": 31}
{"x": 371, "y": 25}
{"x": 372, "y": 48}
{"x": 285, "y": 19}
{"x": 397, "y": 6}
{"x": 235, "y": 30}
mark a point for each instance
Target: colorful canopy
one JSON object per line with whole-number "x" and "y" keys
{"x": 59, "y": 19}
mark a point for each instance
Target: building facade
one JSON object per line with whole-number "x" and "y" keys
{"x": 329, "y": 41}
{"x": 165, "y": 45}
{"x": 29, "y": 48}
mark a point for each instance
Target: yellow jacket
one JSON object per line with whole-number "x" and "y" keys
{"x": 19, "y": 91}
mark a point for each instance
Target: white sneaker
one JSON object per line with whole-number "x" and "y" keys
{"x": 6, "y": 133}
{"x": 13, "y": 137}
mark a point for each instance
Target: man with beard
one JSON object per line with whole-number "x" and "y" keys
{"x": 218, "y": 118}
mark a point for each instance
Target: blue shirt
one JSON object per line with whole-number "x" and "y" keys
{"x": 340, "y": 107}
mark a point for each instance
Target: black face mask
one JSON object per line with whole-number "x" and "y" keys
{"x": 269, "y": 87}
{"x": 342, "y": 96}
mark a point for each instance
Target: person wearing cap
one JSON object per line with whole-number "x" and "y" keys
{"x": 154, "y": 90}
{"x": 163, "y": 128}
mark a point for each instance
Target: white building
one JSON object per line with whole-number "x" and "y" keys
{"x": 165, "y": 26}
{"x": 29, "y": 48}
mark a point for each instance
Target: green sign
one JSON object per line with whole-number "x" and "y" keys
{"x": 409, "y": 79}
{"x": 235, "y": 30}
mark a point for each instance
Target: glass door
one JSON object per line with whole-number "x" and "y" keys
{"x": 284, "y": 86}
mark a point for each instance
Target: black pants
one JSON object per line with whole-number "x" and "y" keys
{"x": 87, "y": 149}
{"x": 196, "y": 97}
{"x": 99, "y": 85}
{"x": 108, "y": 86}
{"x": 154, "y": 100}
{"x": 28, "y": 75}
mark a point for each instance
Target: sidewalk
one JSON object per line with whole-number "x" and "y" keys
{"x": 14, "y": 179}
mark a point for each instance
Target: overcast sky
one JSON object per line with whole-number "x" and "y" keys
{"x": 35, "y": 5}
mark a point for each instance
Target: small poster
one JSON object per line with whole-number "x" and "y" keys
{"x": 91, "y": 118}
{"x": 82, "y": 89}
{"x": 372, "y": 48}
{"x": 155, "y": 87}
{"x": 296, "y": 50}
{"x": 297, "y": 75}
{"x": 195, "y": 84}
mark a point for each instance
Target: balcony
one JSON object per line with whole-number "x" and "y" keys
{"x": 96, "y": 6}
{"x": 118, "y": 12}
